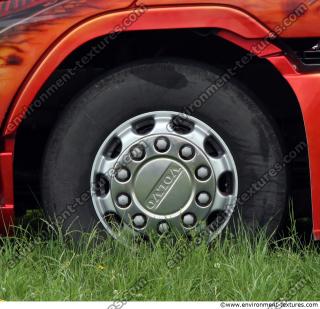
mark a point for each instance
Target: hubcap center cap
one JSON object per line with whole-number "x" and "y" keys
{"x": 163, "y": 186}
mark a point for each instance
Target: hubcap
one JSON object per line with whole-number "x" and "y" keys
{"x": 162, "y": 179}
{"x": 166, "y": 193}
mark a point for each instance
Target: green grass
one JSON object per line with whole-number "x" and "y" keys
{"x": 230, "y": 270}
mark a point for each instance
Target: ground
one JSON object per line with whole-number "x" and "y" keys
{"x": 34, "y": 268}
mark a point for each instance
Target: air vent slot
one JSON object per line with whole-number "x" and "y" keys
{"x": 310, "y": 57}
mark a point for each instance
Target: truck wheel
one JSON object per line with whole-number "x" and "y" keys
{"x": 164, "y": 145}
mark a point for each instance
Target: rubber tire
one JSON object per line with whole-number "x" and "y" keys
{"x": 167, "y": 84}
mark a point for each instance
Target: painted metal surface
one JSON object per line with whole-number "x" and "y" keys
{"x": 307, "y": 89}
{"x": 270, "y": 13}
{"x": 28, "y": 28}
{"x": 36, "y": 36}
{"x": 26, "y": 37}
{"x": 6, "y": 197}
{"x": 163, "y": 18}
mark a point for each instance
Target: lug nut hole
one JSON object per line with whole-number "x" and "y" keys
{"x": 139, "y": 221}
{"x": 203, "y": 199}
{"x": 203, "y": 173}
{"x": 187, "y": 152}
{"x": 189, "y": 220}
{"x": 162, "y": 144}
{"x": 123, "y": 175}
{"x": 163, "y": 228}
{"x": 137, "y": 153}
{"x": 123, "y": 200}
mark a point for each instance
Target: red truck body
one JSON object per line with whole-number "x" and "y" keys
{"x": 37, "y": 36}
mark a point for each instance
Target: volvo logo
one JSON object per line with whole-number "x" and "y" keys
{"x": 163, "y": 186}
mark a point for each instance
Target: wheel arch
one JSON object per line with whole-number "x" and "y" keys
{"x": 218, "y": 17}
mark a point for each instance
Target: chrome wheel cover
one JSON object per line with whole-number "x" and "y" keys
{"x": 158, "y": 172}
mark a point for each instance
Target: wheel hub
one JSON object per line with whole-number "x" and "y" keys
{"x": 163, "y": 186}
{"x": 162, "y": 179}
